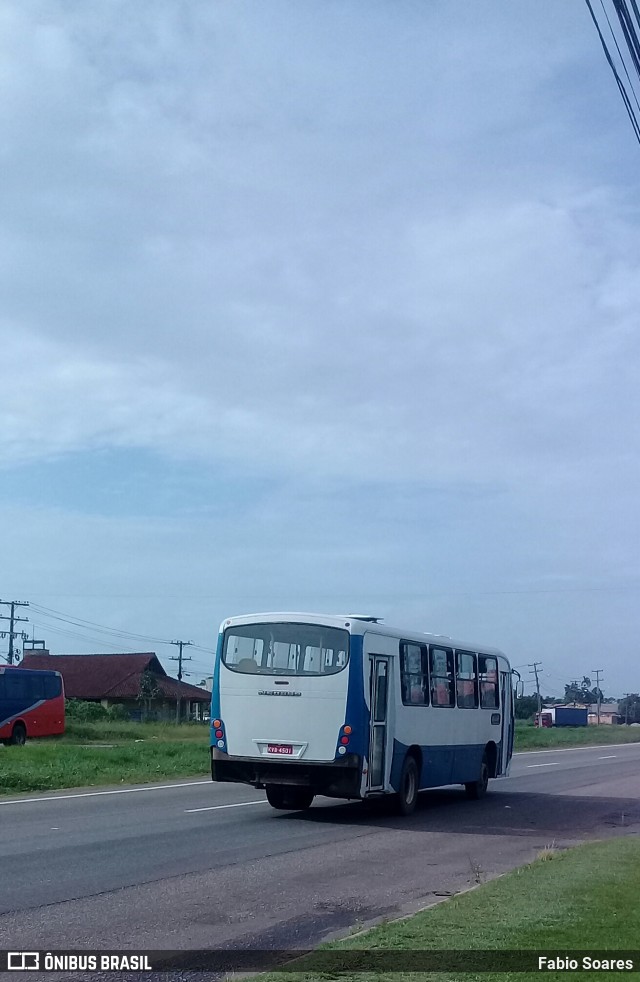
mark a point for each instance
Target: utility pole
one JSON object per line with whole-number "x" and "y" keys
{"x": 12, "y": 620}
{"x": 598, "y": 672}
{"x": 180, "y": 659}
{"x": 626, "y": 708}
{"x": 534, "y": 671}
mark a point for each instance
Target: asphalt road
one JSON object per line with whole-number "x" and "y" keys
{"x": 191, "y": 865}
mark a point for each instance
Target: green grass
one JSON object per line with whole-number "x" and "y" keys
{"x": 584, "y": 899}
{"x": 119, "y": 732}
{"x": 47, "y": 764}
{"x": 530, "y": 737}
{"x": 135, "y": 753}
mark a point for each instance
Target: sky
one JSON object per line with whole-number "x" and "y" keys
{"x": 325, "y": 307}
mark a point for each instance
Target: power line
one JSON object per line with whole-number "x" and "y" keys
{"x": 623, "y": 92}
{"x": 629, "y": 44}
{"x": 102, "y": 628}
{"x": 629, "y": 30}
{"x": 98, "y": 643}
{"x": 49, "y": 614}
{"x": 82, "y": 622}
{"x": 95, "y": 642}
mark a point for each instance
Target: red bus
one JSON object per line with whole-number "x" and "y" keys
{"x": 31, "y": 704}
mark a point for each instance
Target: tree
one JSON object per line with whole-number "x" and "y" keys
{"x": 148, "y": 691}
{"x": 581, "y": 692}
{"x": 629, "y": 708}
{"x": 526, "y": 707}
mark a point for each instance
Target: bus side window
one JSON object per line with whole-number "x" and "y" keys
{"x": 35, "y": 687}
{"x": 466, "y": 680}
{"x": 16, "y": 685}
{"x": 414, "y": 674}
{"x": 442, "y": 684}
{"x": 489, "y": 697}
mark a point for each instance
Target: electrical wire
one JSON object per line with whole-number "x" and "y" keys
{"x": 629, "y": 41}
{"x": 82, "y": 622}
{"x": 629, "y": 31}
{"x": 100, "y": 642}
{"x": 623, "y": 92}
{"x": 101, "y": 628}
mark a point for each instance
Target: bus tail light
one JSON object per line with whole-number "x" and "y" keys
{"x": 344, "y": 736}
{"x": 218, "y": 735}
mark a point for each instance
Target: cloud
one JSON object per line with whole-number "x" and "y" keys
{"x": 386, "y": 266}
{"x": 495, "y": 347}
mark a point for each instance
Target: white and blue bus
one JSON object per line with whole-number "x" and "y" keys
{"x": 343, "y": 706}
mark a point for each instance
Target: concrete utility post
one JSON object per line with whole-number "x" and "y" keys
{"x": 12, "y": 620}
{"x": 598, "y": 672}
{"x": 180, "y": 659}
{"x": 534, "y": 671}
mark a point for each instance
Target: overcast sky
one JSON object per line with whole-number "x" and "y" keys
{"x": 324, "y": 306}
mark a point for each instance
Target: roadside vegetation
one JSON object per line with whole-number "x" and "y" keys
{"x": 581, "y": 900}
{"x": 45, "y": 765}
{"x": 105, "y": 751}
{"x": 108, "y": 750}
{"x": 530, "y": 737}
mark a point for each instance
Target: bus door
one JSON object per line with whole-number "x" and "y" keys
{"x": 379, "y": 670}
{"x": 507, "y": 734}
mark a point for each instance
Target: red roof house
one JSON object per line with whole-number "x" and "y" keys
{"x": 116, "y": 680}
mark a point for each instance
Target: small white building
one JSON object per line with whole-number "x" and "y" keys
{"x": 609, "y": 713}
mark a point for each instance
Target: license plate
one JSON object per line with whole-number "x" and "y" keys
{"x": 280, "y": 748}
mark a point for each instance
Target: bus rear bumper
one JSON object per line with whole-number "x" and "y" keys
{"x": 334, "y": 779}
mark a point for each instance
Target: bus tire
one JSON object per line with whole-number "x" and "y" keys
{"x": 289, "y": 799}
{"x": 18, "y": 737}
{"x": 408, "y": 793}
{"x": 478, "y": 789}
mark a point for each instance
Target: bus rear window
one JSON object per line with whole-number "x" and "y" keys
{"x": 52, "y": 686}
{"x": 285, "y": 649}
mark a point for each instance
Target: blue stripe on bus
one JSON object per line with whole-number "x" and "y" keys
{"x": 441, "y": 765}
{"x": 24, "y": 708}
{"x": 357, "y": 713}
{"x": 215, "y": 686}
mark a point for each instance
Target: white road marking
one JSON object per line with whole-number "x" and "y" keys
{"x": 610, "y": 757}
{"x": 551, "y": 763}
{"x": 95, "y": 794}
{"x": 235, "y": 804}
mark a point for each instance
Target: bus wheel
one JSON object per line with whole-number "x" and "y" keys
{"x": 19, "y": 735}
{"x": 478, "y": 789}
{"x": 408, "y": 794}
{"x": 289, "y": 799}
